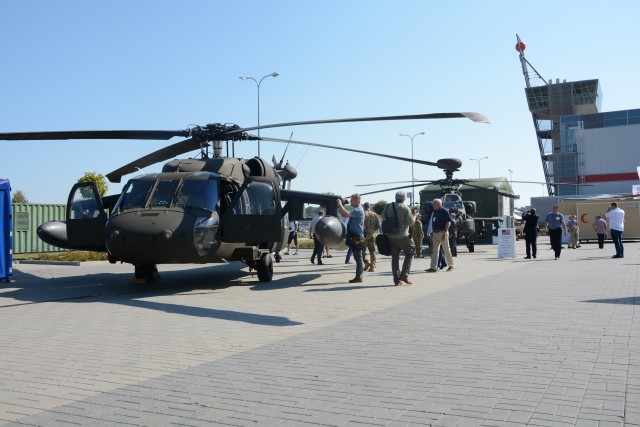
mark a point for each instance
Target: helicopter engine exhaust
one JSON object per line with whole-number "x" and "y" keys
{"x": 332, "y": 232}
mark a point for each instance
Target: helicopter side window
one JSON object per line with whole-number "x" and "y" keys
{"x": 84, "y": 204}
{"x": 134, "y": 195}
{"x": 164, "y": 192}
{"x": 198, "y": 194}
{"x": 261, "y": 199}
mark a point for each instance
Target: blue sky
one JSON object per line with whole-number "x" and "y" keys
{"x": 78, "y": 65}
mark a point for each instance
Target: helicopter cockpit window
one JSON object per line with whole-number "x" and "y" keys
{"x": 452, "y": 201}
{"x": 164, "y": 193}
{"x": 259, "y": 198}
{"x": 84, "y": 204}
{"x": 198, "y": 194}
{"x": 134, "y": 195}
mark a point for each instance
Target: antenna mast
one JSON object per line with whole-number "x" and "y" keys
{"x": 535, "y": 98}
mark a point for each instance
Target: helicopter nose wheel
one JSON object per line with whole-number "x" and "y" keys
{"x": 264, "y": 267}
{"x": 147, "y": 272}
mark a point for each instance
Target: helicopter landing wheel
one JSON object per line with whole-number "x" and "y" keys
{"x": 471, "y": 247}
{"x": 148, "y": 272}
{"x": 264, "y": 267}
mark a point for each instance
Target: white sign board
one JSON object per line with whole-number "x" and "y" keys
{"x": 506, "y": 242}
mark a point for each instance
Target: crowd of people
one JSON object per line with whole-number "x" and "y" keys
{"x": 405, "y": 232}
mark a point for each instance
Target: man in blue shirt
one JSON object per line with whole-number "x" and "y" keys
{"x": 355, "y": 233}
{"x": 556, "y": 227}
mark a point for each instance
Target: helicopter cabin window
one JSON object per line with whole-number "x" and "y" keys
{"x": 198, "y": 193}
{"x": 134, "y": 195}
{"x": 259, "y": 198}
{"x": 84, "y": 204}
{"x": 452, "y": 201}
{"x": 164, "y": 193}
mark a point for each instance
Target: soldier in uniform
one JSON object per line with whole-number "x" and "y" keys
{"x": 371, "y": 228}
{"x": 417, "y": 234}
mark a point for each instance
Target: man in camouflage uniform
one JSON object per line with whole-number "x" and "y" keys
{"x": 417, "y": 234}
{"x": 371, "y": 228}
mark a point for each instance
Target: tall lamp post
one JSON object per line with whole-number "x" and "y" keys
{"x": 413, "y": 187}
{"x": 479, "y": 160}
{"x": 258, "y": 82}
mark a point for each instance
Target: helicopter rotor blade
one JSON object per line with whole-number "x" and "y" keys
{"x": 492, "y": 189}
{"x": 93, "y": 134}
{"x": 577, "y": 184}
{"x": 388, "y": 156}
{"x": 476, "y": 117}
{"x": 396, "y": 182}
{"x": 383, "y": 190}
{"x": 157, "y": 156}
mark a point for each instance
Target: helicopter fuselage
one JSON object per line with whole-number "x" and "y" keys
{"x": 195, "y": 211}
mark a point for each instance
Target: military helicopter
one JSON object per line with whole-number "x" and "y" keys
{"x": 469, "y": 225}
{"x": 212, "y": 209}
{"x": 452, "y": 201}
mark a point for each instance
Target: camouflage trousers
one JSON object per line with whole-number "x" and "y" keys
{"x": 370, "y": 243}
{"x": 417, "y": 241}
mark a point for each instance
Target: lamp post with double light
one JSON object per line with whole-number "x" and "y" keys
{"x": 479, "y": 160}
{"x": 258, "y": 82}
{"x": 413, "y": 188}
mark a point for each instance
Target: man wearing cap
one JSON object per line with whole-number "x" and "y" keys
{"x": 399, "y": 239}
{"x": 371, "y": 227}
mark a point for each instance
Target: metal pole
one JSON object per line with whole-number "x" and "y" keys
{"x": 479, "y": 160}
{"x": 274, "y": 74}
{"x": 413, "y": 187}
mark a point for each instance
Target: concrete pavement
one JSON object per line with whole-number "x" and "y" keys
{"x": 495, "y": 342}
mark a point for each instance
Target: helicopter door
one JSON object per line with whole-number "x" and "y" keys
{"x": 253, "y": 216}
{"x": 86, "y": 218}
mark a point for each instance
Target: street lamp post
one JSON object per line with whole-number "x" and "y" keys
{"x": 413, "y": 187}
{"x": 510, "y": 178}
{"x": 258, "y": 82}
{"x": 479, "y": 160}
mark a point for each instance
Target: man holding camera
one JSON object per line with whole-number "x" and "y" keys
{"x": 355, "y": 233}
{"x": 530, "y": 232}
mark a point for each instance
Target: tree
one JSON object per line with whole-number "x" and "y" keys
{"x": 379, "y": 206}
{"x": 99, "y": 179}
{"x": 19, "y": 197}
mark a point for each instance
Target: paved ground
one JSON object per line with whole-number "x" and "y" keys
{"x": 495, "y": 342}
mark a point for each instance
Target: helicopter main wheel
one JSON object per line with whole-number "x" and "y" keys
{"x": 147, "y": 272}
{"x": 471, "y": 247}
{"x": 264, "y": 267}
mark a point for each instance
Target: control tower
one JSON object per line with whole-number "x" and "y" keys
{"x": 548, "y": 101}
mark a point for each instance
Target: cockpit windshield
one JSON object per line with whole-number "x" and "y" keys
{"x": 452, "y": 201}
{"x": 164, "y": 192}
{"x": 198, "y": 194}
{"x": 135, "y": 195}
{"x": 198, "y": 191}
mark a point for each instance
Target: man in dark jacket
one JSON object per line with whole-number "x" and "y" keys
{"x": 530, "y": 230}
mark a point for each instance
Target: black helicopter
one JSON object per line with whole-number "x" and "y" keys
{"x": 208, "y": 210}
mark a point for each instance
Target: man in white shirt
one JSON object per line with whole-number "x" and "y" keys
{"x": 616, "y": 224}
{"x": 293, "y": 235}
